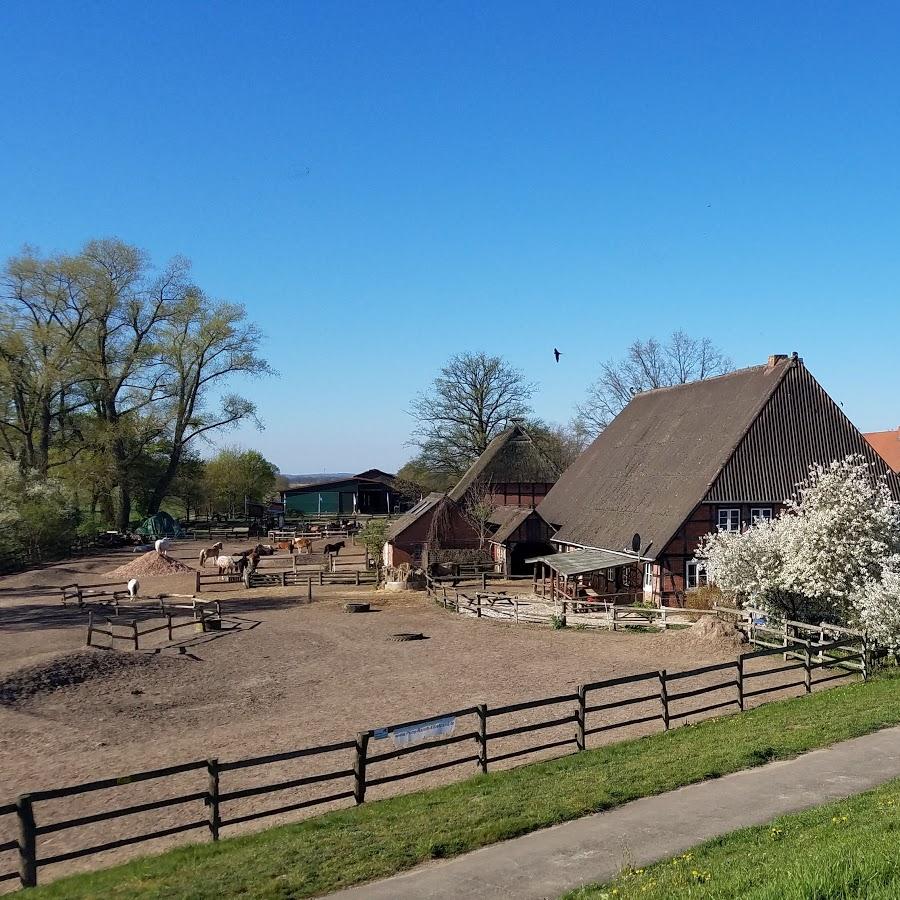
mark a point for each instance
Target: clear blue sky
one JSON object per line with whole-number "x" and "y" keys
{"x": 384, "y": 184}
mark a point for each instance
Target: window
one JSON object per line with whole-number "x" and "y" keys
{"x": 760, "y": 514}
{"x": 729, "y": 520}
{"x": 695, "y": 574}
{"x": 648, "y": 577}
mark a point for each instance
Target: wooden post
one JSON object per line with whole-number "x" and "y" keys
{"x": 321, "y": 578}
{"x": 663, "y": 618}
{"x": 579, "y": 722}
{"x": 359, "y": 767}
{"x": 212, "y": 797}
{"x": 197, "y": 588}
{"x": 517, "y": 610}
{"x": 169, "y": 624}
{"x": 478, "y": 601}
{"x": 80, "y": 599}
{"x": 357, "y": 577}
{"x": 90, "y": 628}
{"x": 134, "y": 632}
{"x": 309, "y": 589}
{"x": 740, "y": 681}
{"x": 27, "y": 842}
{"x": 664, "y": 697}
{"x": 807, "y": 671}
{"x": 865, "y": 659}
{"x": 282, "y": 580}
{"x": 482, "y": 737}
{"x": 484, "y": 581}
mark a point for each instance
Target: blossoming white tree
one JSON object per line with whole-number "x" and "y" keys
{"x": 830, "y": 555}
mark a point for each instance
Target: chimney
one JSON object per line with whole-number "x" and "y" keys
{"x": 776, "y": 358}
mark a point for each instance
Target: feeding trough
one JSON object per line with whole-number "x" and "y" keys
{"x": 357, "y": 607}
{"x": 407, "y": 636}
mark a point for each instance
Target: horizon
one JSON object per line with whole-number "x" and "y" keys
{"x": 384, "y": 187}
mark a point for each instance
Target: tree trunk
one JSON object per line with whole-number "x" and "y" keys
{"x": 161, "y": 490}
{"x": 124, "y": 510}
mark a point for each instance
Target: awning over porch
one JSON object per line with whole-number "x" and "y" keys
{"x": 582, "y": 562}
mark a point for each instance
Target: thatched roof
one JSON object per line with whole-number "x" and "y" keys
{"x": 508, "y": 519}
{"x": 511, "y": 457}
{"x": 749, "y": 436}
{"x": 425, "y": 505}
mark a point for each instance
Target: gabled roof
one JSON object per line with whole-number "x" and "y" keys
{"x": 508, "y": 519}
{"x": 376, "y": 475}
{"x": 581, "y": 562}
{"x": 425, "y": 505}
{"x": 511, "y": 457}
{"x": 672, "y": 448}
{"x": 887, "y": 444}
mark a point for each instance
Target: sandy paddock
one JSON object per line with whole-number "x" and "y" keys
{"x": 289, "y": 675}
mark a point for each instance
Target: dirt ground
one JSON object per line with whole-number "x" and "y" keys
{"x": 283, "y": 675}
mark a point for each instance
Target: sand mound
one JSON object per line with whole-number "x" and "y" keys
{"x": 151, "y": 564}
{"x": 73, "y": 668}
{"x": 710, "y": 633}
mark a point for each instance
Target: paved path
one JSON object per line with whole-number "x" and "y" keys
{"x": 550, "y": 862}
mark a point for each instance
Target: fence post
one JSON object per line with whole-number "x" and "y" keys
{"x": 807, "y": 671}
{"x": 197, "y": 588}
{"x": 282, "y": 580}
{"x": 80, "y": 599}
{"x": 357, "y": 577}
{"x": 865, "y": 658}
{"x": 579, "y": 722}
{"x": 740, "y": 681}
{"x": 664, "y": 697}
{"x": 484, "y": 581}
{"x": 309, "y": 589}
{"x": 478, "y": 600}
{"x": 482, "y": 737}
{"x": 359, "y": 767}
{"x": 90, "y": 627}
{"x": 169, "y": 624}
{"x": 321, "y": 578}
{"x": 212, "y": 797}
{"x": 27, "y": 842}
{"x": 134, "y": 631}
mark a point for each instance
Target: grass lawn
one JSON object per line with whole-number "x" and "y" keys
{"x": 379, "y": 839}
{"x": 842, "y": 850}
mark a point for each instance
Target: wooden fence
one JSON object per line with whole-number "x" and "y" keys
{"x": 203, "y": 619}
{"x": 566, "y": 721}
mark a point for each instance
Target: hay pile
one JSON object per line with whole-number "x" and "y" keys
{"x": 151, "y": 564}
{"x": 73, "y": 668}
{"x": 711, "y": 635}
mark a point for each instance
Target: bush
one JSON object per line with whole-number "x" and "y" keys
{"x": 704, "y": 597}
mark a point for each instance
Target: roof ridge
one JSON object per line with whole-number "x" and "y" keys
{"x": 685, "y": 384}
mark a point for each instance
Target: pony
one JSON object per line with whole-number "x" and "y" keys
{"x": 335, "y": 549}
{"x": 162, "y": 546}
{"x": 210, "y": 552}
{"x": 232, "y": 565}
{"x": 301, "y": 546}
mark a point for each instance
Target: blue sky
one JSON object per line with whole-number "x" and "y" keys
{"x": 384, "y": 184}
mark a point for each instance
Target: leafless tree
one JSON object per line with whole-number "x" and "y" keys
{"x": 647, "y": 365}
{"x": 473, "y": 399}
{"x": 478, "y": 507}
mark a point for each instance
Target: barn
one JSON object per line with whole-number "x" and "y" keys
{"x": 369, "y": 493}
{"x": 680, "y": 462}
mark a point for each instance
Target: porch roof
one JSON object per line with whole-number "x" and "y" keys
{"x": 581, "y": 562}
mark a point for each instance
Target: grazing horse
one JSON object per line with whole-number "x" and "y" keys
{"x": 335, "y": 549}
{"x": 440, "y": 570}
{"x": 209, "y": 553}
{"x": 301, "y": 546}
{"x": 232, "y": 565}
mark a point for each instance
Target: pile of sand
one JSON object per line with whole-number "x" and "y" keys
{"x": 151, "y": 564}
{"x": 73, "y": 668}
{"x": 710, "y": 634}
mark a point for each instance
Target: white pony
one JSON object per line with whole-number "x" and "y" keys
{"x": 162, "y": 546}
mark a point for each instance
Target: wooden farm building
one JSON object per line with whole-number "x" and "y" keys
{"x": 435, "y": 523}
{"x": 887, "y": 443}
{"x": 512, "y": 471}
{"x": 369, "y": 493}
{"x": 680, "y": 462}
{"x": 519, "y": 533}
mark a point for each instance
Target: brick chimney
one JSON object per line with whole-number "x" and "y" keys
{"x": 776, "y": 358}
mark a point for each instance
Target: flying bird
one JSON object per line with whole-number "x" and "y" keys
{"x": 557, "y": 354}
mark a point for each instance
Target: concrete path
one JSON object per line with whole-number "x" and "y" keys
{"x": 550, "y": 862}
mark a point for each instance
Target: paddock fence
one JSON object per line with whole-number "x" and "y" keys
{"x": 212, "y": 794}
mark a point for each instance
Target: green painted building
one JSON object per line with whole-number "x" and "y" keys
{"x": 370, "y": 493}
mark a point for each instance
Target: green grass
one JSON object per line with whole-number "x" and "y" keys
{"x": 842, "y": 850}
{"x": 379, "y": 839}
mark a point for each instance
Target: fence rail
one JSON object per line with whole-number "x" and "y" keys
{"x": 587, "y": 715}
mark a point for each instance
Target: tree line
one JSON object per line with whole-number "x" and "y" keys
{"x": 113, "y": 372}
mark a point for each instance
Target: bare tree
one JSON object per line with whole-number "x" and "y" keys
{"x": 478, "y": 508}
{"x": 473, "y": 399}
{"x": 647, "y": 365}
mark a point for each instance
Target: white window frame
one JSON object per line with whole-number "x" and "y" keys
{"x": 694, "y": 574}
{"x": 732, "y": 516}
{"x": 761, "y": 513}
{"x": 648, "y": 576}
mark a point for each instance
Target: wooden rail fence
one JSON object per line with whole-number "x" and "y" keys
{"x": 570, "y": 718}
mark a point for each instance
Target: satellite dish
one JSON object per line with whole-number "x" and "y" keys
{"x": 636, "y": 543}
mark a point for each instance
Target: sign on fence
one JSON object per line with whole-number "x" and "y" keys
{"x": 423, "y": 731}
